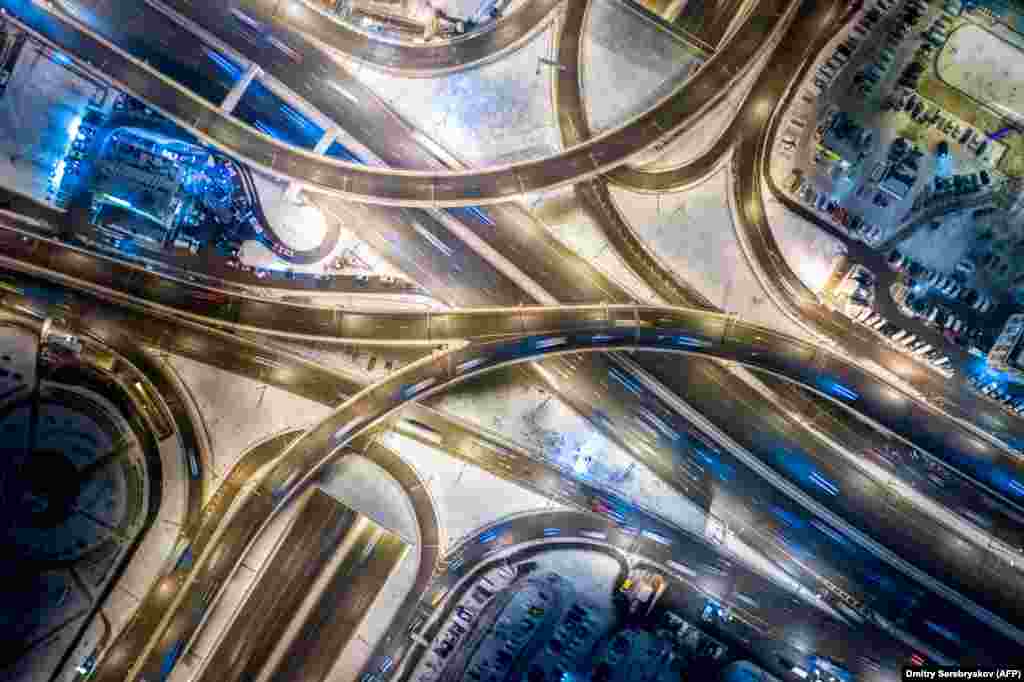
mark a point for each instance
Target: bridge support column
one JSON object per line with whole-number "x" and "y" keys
{"x": 235, "y": 94}
{"x": 292, "y": 193}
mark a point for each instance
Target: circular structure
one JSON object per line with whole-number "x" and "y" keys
{"x": 301, "y": 227}
{"x": 49, "y": 489}
{"x": 71, "y": 493}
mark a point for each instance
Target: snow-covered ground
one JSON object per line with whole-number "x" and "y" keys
{"x": 300, "y": 227}
{"x": 692, "y": 232}
{"x": 502, "y": 112}
{"x": 985, "y": 67}
{"x": 303, "y": 226}
{"x": 628, "y": 64}
{"x": 497, "y": 113}
{"x": 809, "y": 250}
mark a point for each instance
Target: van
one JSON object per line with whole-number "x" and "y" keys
{"x": 907, "y": 340}
{"x": 899, "y": 335}
{"x": 923, "y": 349}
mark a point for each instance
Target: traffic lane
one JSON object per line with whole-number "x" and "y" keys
{"x": 727, "y": 488}
{"x": 794, "y": 453}
{"x": 542, "y": 258}
{"x": 290, "y": 572}
{"x": 192, "y": 601}
{"x": 342, "y": 606}
{"x": 748, "y": 199}
{"x": 769, "y": 350}
{"x": 918, "y": 470}
{"x": 961, "y": 399}
{"x": 787, "y": 614}
{"x": 148, "y": 616}
{"x": 805, "y": 363}
{"x": 173, "y": 393}
{"x": 591, "y": 385}
{"x": 318, "y": 78}
{"x": 768, "y": 519}
{"x": 574, "y": 126}
{"x": 354, "y": 418}
{"x": 409, "y": 59}
{"x": 722, "y": 13}
{"x": 336, "y": 93}
{"x": 986, "y": 463}
{"x": 164, "y": 44}
{"x": 451, "y": 189}
{"x": 420, "y": 245}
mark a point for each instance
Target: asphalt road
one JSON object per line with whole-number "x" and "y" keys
{"x": 378, "y": 403}
{"x": 377, "y": 185}
{"x": 889, "y": 406}
{"x": 771, "y": 625}
{"x": 495, "y": 463}
{"x": 345, "y": 602}
{"x": 320, "y": 529}
{"x": 408, "y": 59}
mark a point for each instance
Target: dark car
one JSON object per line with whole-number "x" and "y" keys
{"x": 985, "y": 179}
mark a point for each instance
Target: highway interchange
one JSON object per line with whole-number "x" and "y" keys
{"x": 472, "y": 341}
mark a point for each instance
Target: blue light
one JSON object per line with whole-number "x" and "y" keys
{"x": 831, "y": 534}
{"x": 1004, "y": 482}
{"x": 945, "y": 632}
{"x": 787, "y": 518}
{"x": 267, "y": 130}
{"x": 630, "y": 385}
{"x": 295, "y": 116}
{"x": 690, "y": 341}
{"x": 118, "y": 201}
{"x": 823, "y": 483}
{"x": 61, "y": 58}
{"x": 223, "y": 63}
{"x": 839, "y": 390}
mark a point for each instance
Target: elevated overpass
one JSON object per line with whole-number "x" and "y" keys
{"x": 412, "y": 188}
